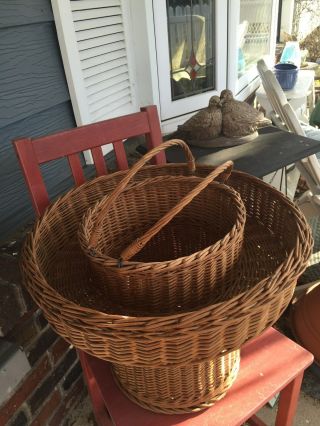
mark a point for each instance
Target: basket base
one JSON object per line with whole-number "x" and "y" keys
{"x": 177, "y": 390}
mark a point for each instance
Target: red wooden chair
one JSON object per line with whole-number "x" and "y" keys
{"x": 261, "y": 375}
{"x": 34, "y": 152}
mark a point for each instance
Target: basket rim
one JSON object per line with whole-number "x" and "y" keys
{"x": 180, "y": 324}
{"x": 105, "y": 331}
{"x": 29, "y": 250}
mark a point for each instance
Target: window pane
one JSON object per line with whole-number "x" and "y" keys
{"x": 191, "y": 46}
{"x": 254, "y": 33}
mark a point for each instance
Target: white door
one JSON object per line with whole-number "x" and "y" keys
{"x": 191, "y": 43}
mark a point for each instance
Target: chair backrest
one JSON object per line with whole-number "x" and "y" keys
{"x": 33, "y": 152}
{"x": 273, "y": 90}
{"x": 308, "y": 167}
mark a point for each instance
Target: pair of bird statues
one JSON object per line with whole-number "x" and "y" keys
{"x": 224, "y": 116}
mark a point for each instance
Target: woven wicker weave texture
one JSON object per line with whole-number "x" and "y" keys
{"x": 57, "y": 275}
{"x": 276, "y": 247}
{"x": 190, "y": 388}
{"x": 179, "y": 267}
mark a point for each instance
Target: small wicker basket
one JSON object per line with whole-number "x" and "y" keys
{"x": 182, "y": 234}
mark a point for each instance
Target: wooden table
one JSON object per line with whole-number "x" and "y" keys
{"x": 272, "y": 150}
{"x": 270, "y": 363}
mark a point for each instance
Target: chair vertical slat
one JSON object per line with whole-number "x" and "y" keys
{"x": 99, "y": 161}
{"x": 154, "y": 137}
{"x": 120, "y": 155}
{"x": 32, "y": 174}
{"x": 76, "y": 168}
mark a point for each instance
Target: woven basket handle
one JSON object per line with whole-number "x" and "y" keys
{"x": 135, "y": 168}
{"x": 140, "y": 242}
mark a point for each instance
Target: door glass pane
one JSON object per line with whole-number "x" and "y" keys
{"x": 253, "y": 33}
{"x": 191, "y": 46}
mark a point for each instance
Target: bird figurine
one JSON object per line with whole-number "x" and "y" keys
{"x": 239, "y": 119}
{"x": 205, "y": 124}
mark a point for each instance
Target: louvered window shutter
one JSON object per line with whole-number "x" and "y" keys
{"x": 92, "y": 38}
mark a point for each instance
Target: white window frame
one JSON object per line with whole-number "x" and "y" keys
{"x": 168, "y": 108}
{"x": 242, "y": 87}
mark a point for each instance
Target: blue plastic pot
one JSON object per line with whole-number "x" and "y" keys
{"x": 287, "y": 75}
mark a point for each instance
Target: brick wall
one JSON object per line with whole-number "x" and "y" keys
{"x": 54, "y": 383}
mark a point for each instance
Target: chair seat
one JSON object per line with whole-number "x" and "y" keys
{"x": 261, "y": 376}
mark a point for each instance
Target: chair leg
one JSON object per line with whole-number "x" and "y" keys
{"x": 288, "y": 402}
{"x": 100, "y": 411}
{"x": 255, "y": 421}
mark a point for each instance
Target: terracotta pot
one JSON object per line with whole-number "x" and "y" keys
{"x": 306, "y": 321}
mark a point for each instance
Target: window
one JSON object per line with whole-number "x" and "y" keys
{"x": 254, "y": 33}
{"x": 252, "y": 36}
{"x": 191, "y": 46}
{"x": 191, "y": 43}
{"x": 120, "y": 54}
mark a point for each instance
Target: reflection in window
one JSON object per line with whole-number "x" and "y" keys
{"x": 253, "y": 33}
{"x": 191, "y": 46}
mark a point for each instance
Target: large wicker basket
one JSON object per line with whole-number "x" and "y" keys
{"x": 154, "y": 354}
{"x": 178, "y": 389}
{"x": 182, "y": 234}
